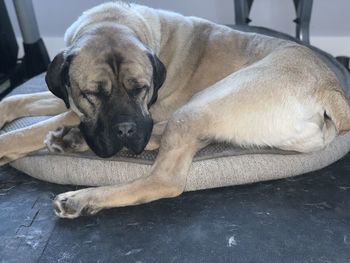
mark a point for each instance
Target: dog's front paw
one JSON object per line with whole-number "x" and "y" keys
{"x": 65, "y": 139}
{"x": 54, "y": 140}
{"x": 74, "y": 204}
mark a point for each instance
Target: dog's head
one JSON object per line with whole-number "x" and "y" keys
{"x": 110, "y": 79}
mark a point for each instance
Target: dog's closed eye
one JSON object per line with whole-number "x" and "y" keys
{"x": 140, "y": 90}
{"x": 100, "y": 89}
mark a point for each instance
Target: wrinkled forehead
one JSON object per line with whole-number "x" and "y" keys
{"x": 92, "y": 62}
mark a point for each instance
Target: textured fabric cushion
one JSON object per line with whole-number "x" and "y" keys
{"x": 215, "y": 166}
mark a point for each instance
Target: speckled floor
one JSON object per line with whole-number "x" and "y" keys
{"x": 303, "y": 219}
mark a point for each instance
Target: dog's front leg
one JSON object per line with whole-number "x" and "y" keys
{"x": 156, "y": 136}
{"x": 36, "y": 104}
{"x": 18, "y": 143}
{"x": 179, "y": 143}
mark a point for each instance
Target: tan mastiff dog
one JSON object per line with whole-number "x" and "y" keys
{"x": 129, "y": 67}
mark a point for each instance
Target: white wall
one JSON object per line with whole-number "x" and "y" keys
{"x": 330, "y": 27}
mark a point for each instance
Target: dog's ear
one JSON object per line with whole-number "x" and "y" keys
{"x": 159, "y": 75}
{"x": 57, "y": 77}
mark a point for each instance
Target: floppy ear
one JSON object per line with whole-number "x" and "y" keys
{"x": 159, "y": 75}
{"x": 57, "y": 77}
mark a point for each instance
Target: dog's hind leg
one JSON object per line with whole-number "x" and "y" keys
{"x": 336, "y": 105}
{"x": 36, "y": 104}
{"x": 18, "y": 143}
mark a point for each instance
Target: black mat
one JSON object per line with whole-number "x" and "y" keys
{"x": 303, "y": 219}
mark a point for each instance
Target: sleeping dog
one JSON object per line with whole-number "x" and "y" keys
{"x": 139, "y": 78}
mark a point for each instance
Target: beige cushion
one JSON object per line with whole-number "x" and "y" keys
{"x": 230, "y": 169}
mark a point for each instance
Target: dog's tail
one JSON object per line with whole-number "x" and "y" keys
{"x": 336, "y": 108}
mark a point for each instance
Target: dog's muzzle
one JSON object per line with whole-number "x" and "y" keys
{"x": 106, "y": 139}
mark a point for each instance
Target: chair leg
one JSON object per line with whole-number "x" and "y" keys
{"x": 303, "y": 10}
{"x": 242, "y": 10}
{"x": 345, "y": 61}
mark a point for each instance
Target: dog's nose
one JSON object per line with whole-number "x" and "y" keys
{"x": 126, "y": 129}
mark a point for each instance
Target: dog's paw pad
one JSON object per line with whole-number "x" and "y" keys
{"x": 69, "y": 205}
{"x": 65, "y": 207}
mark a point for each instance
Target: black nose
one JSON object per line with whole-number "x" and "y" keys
{"x": 125, "y": 129}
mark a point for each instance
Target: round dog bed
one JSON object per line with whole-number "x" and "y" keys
{"x": 215, "y": 166}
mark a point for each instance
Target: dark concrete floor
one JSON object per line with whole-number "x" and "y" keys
{"x": 302, "y": 219}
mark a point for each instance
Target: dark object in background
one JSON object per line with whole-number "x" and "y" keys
{"x": 36, "y": 59}
{"x": 8, "y": 49}
{"x": 303, "y": 10}
{"x": 8, "y": 43}
{"x": 345, "y": 61}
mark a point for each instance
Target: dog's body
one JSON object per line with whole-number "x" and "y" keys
{"x": 220, "y": 85}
